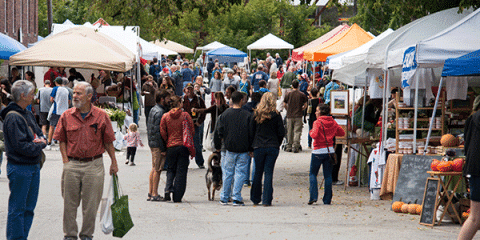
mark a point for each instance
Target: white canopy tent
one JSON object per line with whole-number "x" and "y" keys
{"x": 174, "y": 46}
{"x": 79, "y": 47}
{"x": 457, "y": 40}
{"x": 127, "y": 36}
{"x": 427, "y": 27}
{"x": 269, "y": 41}
{"x": 211, "y": 46}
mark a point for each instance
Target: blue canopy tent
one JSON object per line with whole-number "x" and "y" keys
{"x": 9, "y": 46}
{"x": 466, "y": 65}
{"x": 227, "y": 54}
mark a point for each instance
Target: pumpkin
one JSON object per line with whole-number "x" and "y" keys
{"x": 419, "y": 209}
{"x": 465, "y": 214}
{"x": 397, "y": 206}
{"x": 457, "y": 165}
{"x": 434, "y": 164}
{"x": 412, "y": 208}
{"x": 444, "y": 166}
{"x": 405, "y": 208}
{"x": 448, "y": 140}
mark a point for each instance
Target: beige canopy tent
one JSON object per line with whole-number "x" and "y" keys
{"x": 171, "y": 45}
{"x": 79, "y": 47}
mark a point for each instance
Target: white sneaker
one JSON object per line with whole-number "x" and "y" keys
{"x": 48, "y": 147}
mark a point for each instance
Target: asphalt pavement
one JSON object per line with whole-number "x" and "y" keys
{"x": 352, "y": 215}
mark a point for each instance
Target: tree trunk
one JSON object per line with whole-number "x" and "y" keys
{"x": 50, "y": 16}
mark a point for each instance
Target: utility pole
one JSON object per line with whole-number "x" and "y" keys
{"x": 50, "y": 16}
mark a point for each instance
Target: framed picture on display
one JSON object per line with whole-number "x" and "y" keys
{"x": 339, "y": 102}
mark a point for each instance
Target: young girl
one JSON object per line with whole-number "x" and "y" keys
{"x": 133, "y": 140}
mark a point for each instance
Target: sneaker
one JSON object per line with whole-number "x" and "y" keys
{"x": 223, "y": 203}
{"x": 48, "y": 147}
{"x": 132, "y": 164}
{"x": 201, "y": 166}
{"x": 339, "y": 182}
{"x": 126, "y": 162}
{"x": 238, "y": 203}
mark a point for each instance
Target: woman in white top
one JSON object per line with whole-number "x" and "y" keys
{"x": 272, "y": 84}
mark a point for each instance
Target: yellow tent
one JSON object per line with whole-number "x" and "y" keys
{"x": 350, "y": 39}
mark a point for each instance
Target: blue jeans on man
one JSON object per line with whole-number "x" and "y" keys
{"x": 24, "y": 185}
{"x": 265, "y": 159}
{"x": 317, "y": 161}
{"x": 198, "y": 146}
{"x": 234, "y": 167}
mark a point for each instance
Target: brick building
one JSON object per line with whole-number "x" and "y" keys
{"x": 19, "y": 20}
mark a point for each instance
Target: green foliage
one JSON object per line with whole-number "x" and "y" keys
{"x": 378, "y": 15}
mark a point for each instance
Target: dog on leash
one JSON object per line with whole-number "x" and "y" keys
{"x": 213, "y": 177}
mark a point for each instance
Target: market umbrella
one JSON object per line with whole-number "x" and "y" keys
{"x": 9, "y": 46}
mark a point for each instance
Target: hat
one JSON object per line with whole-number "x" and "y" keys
{"x": 185, "y": 64}
{"x": 189, "y": 85}
{"x": 476, "y": 103}
{"x": 230, "y": 71}
{"x": 59, "y": 80}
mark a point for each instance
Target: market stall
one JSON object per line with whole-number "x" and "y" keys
{"x": 227, "y": 54}
{"x": 174, "y": 46}
{"x": 9, "y": 46}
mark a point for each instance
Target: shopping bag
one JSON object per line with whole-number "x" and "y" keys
{"x": 106, "y": 222}
{"x": 122, "y": 221}
{"x": 208, "y": 143}
{"x": 119, "y": 143}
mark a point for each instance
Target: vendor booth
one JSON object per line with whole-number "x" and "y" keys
{"x": 173, "y": 46}
{"x": 227, "y": 54}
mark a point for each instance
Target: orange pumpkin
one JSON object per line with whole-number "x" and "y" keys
{"x": 457, "y": 165}
{"x": 397, "y": 206}
{"x": 412, "y": 208}
{"x": 465, "y": 214}
{"x": 434, "y": 164}
{"x": 405, "y": 208}
{"x": 419, "y": 209}
{"x": 448, "y": 140}
{"x": 444, "y": 166}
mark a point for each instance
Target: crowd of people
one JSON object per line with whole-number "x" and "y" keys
{"x": 254, "y": 116}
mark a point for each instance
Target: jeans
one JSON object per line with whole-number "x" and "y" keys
{"x": 310, "y": 125}
{"x": 24, "y": 184}
{"x": 1, "y": 160}
{"x": 317, "y": 161}
{"x": 135, "y": 116}
{"x": 198, "y": 146}
{"x": 177, "y": 169}
{"x": 265, "y": 159}
{"x": 249, "y": 178}
{"x": 234, "y": 170}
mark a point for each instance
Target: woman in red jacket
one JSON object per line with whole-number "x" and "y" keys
{"x": 323, "y": 131}
{"x": 172, "y": 129}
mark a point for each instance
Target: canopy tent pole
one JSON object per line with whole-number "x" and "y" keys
{"x": 415, "y": 117}
{"x": 433, "y": 115}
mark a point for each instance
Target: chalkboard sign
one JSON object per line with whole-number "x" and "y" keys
{"x": 412, "y": 177}
{"x": 429, "y": 202}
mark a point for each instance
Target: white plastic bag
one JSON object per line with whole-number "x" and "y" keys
{"x": 119, "y": 143}
{"x": 106, "y": 222}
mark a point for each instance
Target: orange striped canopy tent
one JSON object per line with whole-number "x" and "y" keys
{"x": 350, "y": 39}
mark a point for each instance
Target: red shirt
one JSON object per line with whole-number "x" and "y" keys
{"x": 51, "y": 74}
{"x": 84, "y": 137}
{"x": 332, "y": 129}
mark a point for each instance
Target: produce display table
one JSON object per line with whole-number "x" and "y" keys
{"x": 348, "y": 142}
{"x": 390, "y": 176}
{"x": 446, "y": 194}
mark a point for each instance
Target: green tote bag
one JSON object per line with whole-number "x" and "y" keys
{"x": 122, "y": 221}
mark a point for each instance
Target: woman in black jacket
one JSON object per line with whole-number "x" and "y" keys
{"x": 269, "y": 132}
{"x": 471, "y": 170}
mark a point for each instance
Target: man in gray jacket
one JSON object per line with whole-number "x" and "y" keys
{"x": 156, "y": 144}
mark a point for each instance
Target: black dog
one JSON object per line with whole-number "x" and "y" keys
{"x": 214, "y": 175}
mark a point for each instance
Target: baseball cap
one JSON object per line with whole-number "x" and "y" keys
{"x": 59, "y": 80}
{"x": 189, "y": 85}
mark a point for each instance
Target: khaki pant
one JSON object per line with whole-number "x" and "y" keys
{"x": 158, "y": 160}
{"x": 280, "y": 103}
{"x": 81, "y": 181}
{"x": 294, "y": 132}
